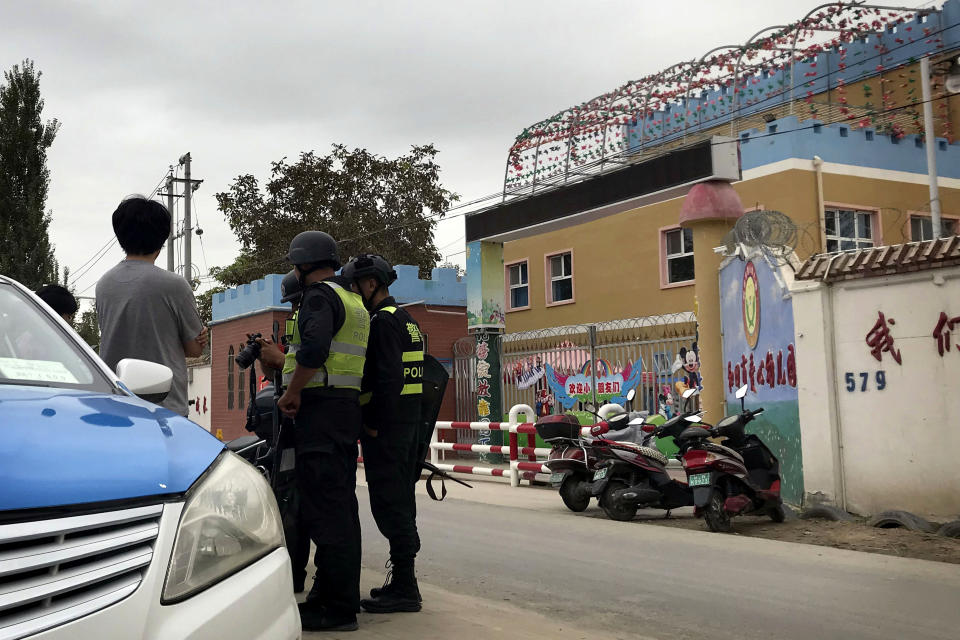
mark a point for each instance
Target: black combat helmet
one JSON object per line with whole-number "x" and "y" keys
{"x": 314, "y": 247}
{"x": 370, "y": 265}
{"x": 290, "y": 287}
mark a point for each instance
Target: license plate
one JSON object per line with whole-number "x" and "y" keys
{"x": 600, "y": 474}
{"x": 699, "y": 480}
{"x": 557, "y": 478}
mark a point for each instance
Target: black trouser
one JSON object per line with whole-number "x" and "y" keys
{"x": 389, "y": 463}
{"x": 327, "y": 431}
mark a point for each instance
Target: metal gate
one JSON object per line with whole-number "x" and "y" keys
{"x": 606, "y": 359}
{"x": 465, "y": 381}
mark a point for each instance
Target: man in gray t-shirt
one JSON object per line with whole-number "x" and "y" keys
{"x": 146, "y": 312}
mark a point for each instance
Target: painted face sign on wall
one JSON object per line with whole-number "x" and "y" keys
{"x": 751, "y": 305}
{"x": 759, "y": 351}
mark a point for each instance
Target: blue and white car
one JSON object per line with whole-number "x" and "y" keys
{"x": 119, "y": 518}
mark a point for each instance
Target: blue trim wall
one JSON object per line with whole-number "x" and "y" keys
{"x": 444, "y": 289}
{"x": 843, "y": 144}
{"x": 894, "y": 46}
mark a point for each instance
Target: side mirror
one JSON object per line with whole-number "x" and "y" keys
{"x": 148, "y": 380}
{"x": 689, "y": 393}
{"x": 631, "y": 395}
{"x": 694, "y": 418}
{"x": 589, "y": 407}
{"x": 742, "y": 392}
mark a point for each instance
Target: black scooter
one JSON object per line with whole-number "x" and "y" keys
{"x": 740, "y": 476}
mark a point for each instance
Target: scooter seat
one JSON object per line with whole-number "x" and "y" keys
{"x": 644, "y": 451}
{"x": 693, "y": 432}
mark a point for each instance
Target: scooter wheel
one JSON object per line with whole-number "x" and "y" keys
{"x": 718, "y": 520}
{"x": 573, "y": 494}
{"x": 778, "y": 514}
{"x": 616, "y": 510}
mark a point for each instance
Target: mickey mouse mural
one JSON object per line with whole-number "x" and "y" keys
{"x": 689, "y": 361}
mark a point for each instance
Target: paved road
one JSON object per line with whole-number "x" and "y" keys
{"x": 635, "y": 580}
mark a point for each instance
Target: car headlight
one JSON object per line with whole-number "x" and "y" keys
{"x": 229, "y": 521}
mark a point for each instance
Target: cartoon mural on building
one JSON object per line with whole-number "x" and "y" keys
{"x": 759, "y": 351}
{"x": 612, "y": 385}
{"x": 485, "y": 301}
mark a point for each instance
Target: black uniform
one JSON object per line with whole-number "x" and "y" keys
{"x": 391, "y": 406}
{"x": 328, "y": 425}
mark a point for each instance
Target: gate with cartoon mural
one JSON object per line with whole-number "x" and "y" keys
{"x": 759, "y": 351}
{"x": 556, "y": 370}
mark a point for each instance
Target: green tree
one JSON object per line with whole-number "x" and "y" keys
{"x": 89, "y": 329}
{"x": 205, "y": 303}
{"x": 25, "y": 250}
{"x": 369, "y": 203}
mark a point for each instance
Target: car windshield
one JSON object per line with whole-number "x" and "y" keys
{"x": 35, "y": 351}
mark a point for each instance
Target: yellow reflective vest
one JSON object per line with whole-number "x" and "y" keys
{"x": 344, "y": 366}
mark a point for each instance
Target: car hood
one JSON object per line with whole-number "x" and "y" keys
{"x": 62, "y": 447}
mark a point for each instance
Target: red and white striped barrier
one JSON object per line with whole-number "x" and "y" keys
{"x": 528, "y": 469}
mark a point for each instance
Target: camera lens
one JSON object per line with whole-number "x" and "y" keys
{"x": 249, "y": 354}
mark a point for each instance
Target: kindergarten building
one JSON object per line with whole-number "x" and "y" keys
{"x": 615, "y": 260}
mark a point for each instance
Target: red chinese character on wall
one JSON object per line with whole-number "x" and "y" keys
{"x": 483, "y": 350}
{"x": 879, "y": 339}
{"x": 941, "y": 332}
{"x": 571, "y": 389}
{"x": 483, "y": 388}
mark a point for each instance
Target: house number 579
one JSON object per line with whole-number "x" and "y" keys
{"x": 855, "y": 384}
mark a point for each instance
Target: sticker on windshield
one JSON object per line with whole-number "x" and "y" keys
{"x": 40, "y": 370}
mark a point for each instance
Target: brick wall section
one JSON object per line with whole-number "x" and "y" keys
{"x": 442, "y": 329}
{"x": 442, "y": 325}
{"x": 234, "y": 332}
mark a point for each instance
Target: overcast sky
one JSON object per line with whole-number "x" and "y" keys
{"x": 240, "y": 84}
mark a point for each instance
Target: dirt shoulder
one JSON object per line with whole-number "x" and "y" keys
{"x": 855, "y": 536}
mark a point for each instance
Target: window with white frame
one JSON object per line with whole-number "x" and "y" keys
{"x": 847, "y": 229}
{"x": 921, "y": 227}
{"x": 518, "y": 282}
{"x": 561, "y": 277}
{"x": 679, "y": 255}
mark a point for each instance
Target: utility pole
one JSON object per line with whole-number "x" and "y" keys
{"x": 173, "y": 223}
{"x": 187, "y": 230}
{"x": 189, "y": 186}
{"x": 931, "y": 142}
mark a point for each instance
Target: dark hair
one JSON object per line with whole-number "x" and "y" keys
{"x": 141, "y": 225}
{"x": 59, "y": 299}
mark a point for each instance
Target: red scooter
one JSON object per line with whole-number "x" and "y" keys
{"x": 631, "y": 475}
{"x": 740, "y": 476}
{"x": 572, "y": 460}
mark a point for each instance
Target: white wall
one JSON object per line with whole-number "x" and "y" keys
{"x": 198, "y": 390}
{"x": 877, "y": 449}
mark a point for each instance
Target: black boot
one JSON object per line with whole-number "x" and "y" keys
{"x": 316, "y": 618}
{"x": 399, "y": 593}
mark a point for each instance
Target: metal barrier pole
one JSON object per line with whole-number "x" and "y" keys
{"x": 514, "y": 472}
{"x": 514, "y": 418}
{"x": 434, "y": 454}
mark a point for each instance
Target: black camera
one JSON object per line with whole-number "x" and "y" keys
{"x": 249, "y": 354}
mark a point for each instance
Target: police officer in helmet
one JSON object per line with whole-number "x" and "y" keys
{"x": 392, "y": 384}
{"x": 329, "y": 345}
{"x": 272, "y": 359}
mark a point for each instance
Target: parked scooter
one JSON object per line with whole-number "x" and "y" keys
{"x": 740, "y": 476}
{"x": 572, "y": 460}
{"x": 632, "y": 475}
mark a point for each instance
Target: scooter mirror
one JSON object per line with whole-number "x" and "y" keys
{"x": 742, "y": 392}
{"x": 694, "y": 418}
{"x": 689, "y": 393}
{"x": 631, "y": 395}
{"x": 589, "y": 407}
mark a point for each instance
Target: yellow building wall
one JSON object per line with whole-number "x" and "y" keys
{"x": 616, "y": 260}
